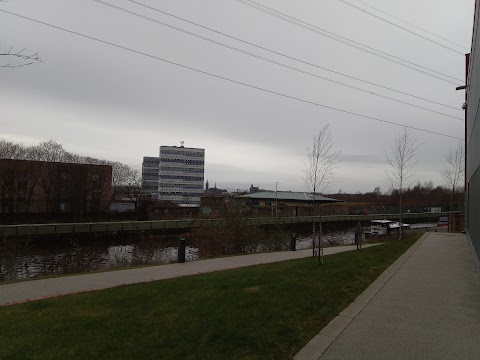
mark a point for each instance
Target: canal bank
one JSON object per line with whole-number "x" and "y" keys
{"x": 29, "y": 257}
{"x": 176, "y": 225}
{"x": 59, "y": 286}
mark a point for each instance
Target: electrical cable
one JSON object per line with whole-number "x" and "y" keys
{"x": 272, "y": 61}
{"x": 399, "y": 26}
{"x": 354, "y": 44}
{"x": 413, "y": 25}
{"x": 291, "y": 57}
{"x": 222, "y": 77}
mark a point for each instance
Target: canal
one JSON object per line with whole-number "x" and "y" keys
{"x": 55, "y": 255}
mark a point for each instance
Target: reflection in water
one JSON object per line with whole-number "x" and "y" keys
{"x": 87, "y": 259}
{"x": 130, "y": 255}
{"x": 44, "y": 259}
{"x": 41, "y": 260}
{"x": 346, "y": 237}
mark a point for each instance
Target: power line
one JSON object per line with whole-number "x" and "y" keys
{"x": 291, "y": 57}
{"x": 400, "y": 27}
{"x": 222, "y": 77}
{"x": 272, "y": 61}
{"x": 346, "y": 41}
{"x": 413, "y": 25}
{"x": 354, "y": 44}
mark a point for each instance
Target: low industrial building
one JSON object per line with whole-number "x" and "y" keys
{"x": 291, "y": 203}
{"x": 472, "y": 139}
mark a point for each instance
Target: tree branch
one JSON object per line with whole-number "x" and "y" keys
{"x": 28, "y": 59}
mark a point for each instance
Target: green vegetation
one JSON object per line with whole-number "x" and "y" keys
{"x": 262, "y": 312}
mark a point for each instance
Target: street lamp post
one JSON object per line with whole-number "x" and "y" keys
{"x": 276, "y": 199}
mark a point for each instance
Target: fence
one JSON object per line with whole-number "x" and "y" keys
{"x": 66, "y": 228}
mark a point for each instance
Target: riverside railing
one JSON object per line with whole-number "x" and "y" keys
{"x": 66, "y": 228}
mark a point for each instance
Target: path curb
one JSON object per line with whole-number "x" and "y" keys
{"x": 20, "y": 292}
{"x": 320, "y": 343}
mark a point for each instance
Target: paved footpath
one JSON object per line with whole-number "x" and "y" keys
{"x": 39, "y": 289}
{"x": 425, "y": 306}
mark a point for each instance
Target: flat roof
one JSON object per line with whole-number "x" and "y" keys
{"x": 179, "y": 147}
{"x": 289, "y": 195}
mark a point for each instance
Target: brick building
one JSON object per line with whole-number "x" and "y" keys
{"x": 53, "y": 187}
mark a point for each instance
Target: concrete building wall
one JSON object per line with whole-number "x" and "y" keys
{"x": 181, "y": 176}
{"x": 151, "y": 175}
{"x": 472, "y": 146}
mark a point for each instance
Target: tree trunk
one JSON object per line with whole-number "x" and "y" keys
{"x": 401, "y": 217}
{"x": 320, "y": 241}
{"x": 313, "y": 224}
{"x": 451, "y": 199}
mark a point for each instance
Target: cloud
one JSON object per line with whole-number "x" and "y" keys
{"x": 104, "y": 102}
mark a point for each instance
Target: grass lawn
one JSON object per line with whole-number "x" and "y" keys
{"x": 261, "y": 312}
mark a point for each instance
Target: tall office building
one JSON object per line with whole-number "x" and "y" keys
{"x": 150, "y": 172}
{"x": 178, "y": 172}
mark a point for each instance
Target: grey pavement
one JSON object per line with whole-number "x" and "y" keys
{"x": 425, "y": 306}
{"x": 45, "y": 288}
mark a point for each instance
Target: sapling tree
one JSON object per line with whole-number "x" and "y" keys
{"x": 321, "y": 162}
{"x": 402, "y": 165}
{"x": 454, "y": 170}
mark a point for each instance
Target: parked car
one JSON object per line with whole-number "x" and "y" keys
{"x": 442, "y": 221}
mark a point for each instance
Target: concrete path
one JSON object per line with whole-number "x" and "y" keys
{"x": 45, "y": 288}
{"x": 425, "y": 306}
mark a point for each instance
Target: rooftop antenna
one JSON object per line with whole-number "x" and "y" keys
{"x": 181, "y": 143}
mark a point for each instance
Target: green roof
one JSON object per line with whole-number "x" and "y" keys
{"x": 288, "y": 195}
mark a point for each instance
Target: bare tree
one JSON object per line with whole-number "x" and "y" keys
{"x": 454, "y": 170}
{"x": 132, "y": 186}
{"x": 120, "y": 175}
{"x": 126, "y": 181}
{"x": 51, "y": 151}
{"x": 402, "y": 165}
{"x": 9, "y": 150}
{"x": 318, "y": 176}
{"x": 377, "y": 192}
{"x": 21, "y": 58}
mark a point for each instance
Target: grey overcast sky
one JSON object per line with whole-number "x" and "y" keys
{"x": 106, "y": 102}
